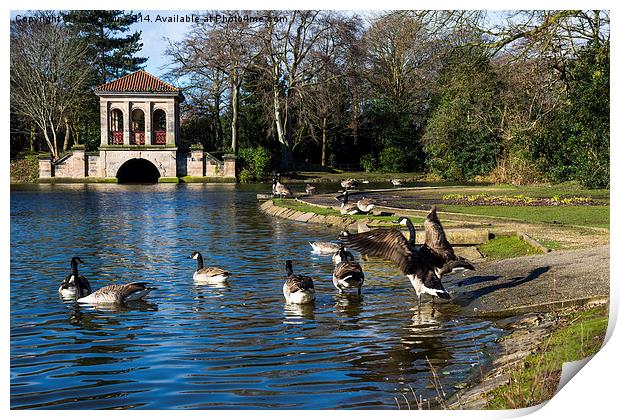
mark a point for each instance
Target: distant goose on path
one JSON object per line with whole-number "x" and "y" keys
{"x": 208, "y": 274}
{"x": 396, "y": 182}
{"x": 365, "y": 205}
{"x": 74, "y": 285}
{"x": 346, "y": 207}
{"x": 422, "y": 264}
{"x": 310, "y": 189}
{"x": 280, "y": 189}
{"x": 297, "y": 288}
{"x": 347, "y": 273}
{"x": 348, "y": 183}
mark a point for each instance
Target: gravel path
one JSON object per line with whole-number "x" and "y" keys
{"x": 541, "y": 282}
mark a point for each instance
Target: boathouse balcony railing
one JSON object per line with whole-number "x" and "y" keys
{"x": 137, "y": 137}
{"x": 116, "y": 137}
{"x": 160, "y": 137}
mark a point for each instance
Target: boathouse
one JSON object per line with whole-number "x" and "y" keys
{"x": 140, "y": 131}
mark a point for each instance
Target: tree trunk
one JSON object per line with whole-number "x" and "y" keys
{"x": 32, "y": 137}
{"x": 235, "y": 110}
{"x": 324, "y": 148}
{"x": 356, "y": 110}
{"x": 65, "y": 145}
{"x": 218, "y": 124}
{"x": 286, "y": 155}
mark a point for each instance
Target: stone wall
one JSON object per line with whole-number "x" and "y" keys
{"x": 107, "y": 162}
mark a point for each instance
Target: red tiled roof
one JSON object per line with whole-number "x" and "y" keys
{"x": 139, "y": 81}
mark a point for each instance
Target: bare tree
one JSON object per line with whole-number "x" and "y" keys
{"x": 49, "y": 75}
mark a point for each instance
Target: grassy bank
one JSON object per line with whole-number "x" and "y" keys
{"x": 592, "y": 216}
{"x": 580, "y": 336}
{"x": 503, "y": 247}
{"x": 307, "y": 208}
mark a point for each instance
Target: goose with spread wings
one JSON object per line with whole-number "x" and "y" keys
{"x": 422, "y": 264}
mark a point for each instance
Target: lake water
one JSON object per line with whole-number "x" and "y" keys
{"x": 192, "y": 346}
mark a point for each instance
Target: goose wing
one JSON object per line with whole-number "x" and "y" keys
{"x": 296, "y": 283}
{"x": 385, "y": 243}
{"x": 436, "y": 237}
{"x": 213, "y": 272}
{"x": 118, "y": 291}
{"x": 348, "y": 268}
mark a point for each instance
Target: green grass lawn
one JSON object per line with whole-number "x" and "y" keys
{"x": 503, "y": 247}
{"x": 537, "y": 381}
{"x": 307, "y": 208}
{"x": 595, "y": 216}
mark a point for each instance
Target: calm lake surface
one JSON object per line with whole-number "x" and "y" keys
{"x": 193, "y": 346}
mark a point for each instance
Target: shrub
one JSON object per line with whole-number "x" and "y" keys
{"x": 393, "y": 159}
{"x": 369, "y": 163}
{"x": 255, "y": 163}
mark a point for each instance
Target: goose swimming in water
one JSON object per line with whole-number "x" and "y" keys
{"x": 422, "y": 264}
{"x": 297, "y": 288}
{"x": 74, "y": 285}
{"x": 322, "y": 247}
{"x": 118, "y": 293}
{"x": 208, "y": 274}
{"x": 347, "y": 273}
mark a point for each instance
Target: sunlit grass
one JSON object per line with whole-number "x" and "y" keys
{"x": 595, "y": 216}
{"x": 503, "y": 247}
{"x": 537, "y": 381}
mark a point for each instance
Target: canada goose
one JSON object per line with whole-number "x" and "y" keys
{"x": 347, "y": 273}
{"x": 322, "y": 247}
{"x": 365, "y": 205}
{"x": 208, "y": 274}
{"x": 74, "y": 285}
{"x": 348, "y": 183}
{"x": 342, "y": 254}
{"x": 422, "y": 264}
{"x": 346, "y": 207}
{"x": 118, "y": 293}
{"x": 297, "y": 289}
{"x": 310, "y": 189}
{"x": 281, "y": 189}
{"x": 396, "y": 182}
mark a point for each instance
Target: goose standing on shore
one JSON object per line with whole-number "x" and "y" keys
{"x": 74, "y": 285}
{"x": 208, "y": 274}
{"x": 365, "y": 205}
{"x": 310, "y": 189}
{"x": 347, "y": 273}
{"x": 348, "y": 183}
{"x": 396, "y": 182}
{"x": 346, "y": 207}
{"x": 280, "y": 189}
{"x": 297, "y": 288}
{"x": 423, "y": 264}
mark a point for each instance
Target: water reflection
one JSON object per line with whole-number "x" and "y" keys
{"x": 192, "y": 345}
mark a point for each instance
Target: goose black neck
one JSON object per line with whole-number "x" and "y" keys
{"x": 199, "y": 260}
{"x": 345, "y": 200}
{"x": 289, "y": 268}
{"x": 74, "y": 267}
{"x": 411, "y": 231}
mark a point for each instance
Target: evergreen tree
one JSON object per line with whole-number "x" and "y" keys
{"x": 112, "y": 54}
